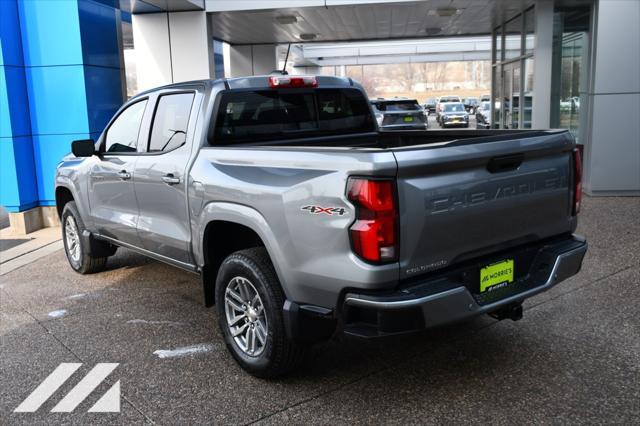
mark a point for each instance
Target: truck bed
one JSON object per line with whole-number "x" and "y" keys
{"x": 406, "y": 139}
{"x": 461, "y": 194}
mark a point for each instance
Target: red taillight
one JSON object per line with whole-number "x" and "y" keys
{"x": 374, "y": 234}
{"x": 577, "y": 181}
{"x": 286, "y": 81}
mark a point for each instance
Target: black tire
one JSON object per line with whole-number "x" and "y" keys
{"x": 84, "y": 262}
{"x": 279, "y": 355}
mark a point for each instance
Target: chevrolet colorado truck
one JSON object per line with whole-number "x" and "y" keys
{"x": 303, "y": 219}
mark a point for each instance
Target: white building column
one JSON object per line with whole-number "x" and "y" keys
{"x": 256, "y": 59}
{"x": 543, "y": 58}
{"x": 611, "y": 134}
{"x": 172, "y": 47}
{"x": 310, "y": 70}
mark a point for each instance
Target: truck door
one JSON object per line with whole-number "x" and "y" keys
{"x": 160, "y": 180}
{"x": 111, "y": 193}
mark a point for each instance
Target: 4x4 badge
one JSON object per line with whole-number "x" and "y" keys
{"x": 325, "y": 210}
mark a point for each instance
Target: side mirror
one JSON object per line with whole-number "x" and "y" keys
{"x": 83, "y": 148}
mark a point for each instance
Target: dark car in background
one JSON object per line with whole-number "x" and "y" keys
{"x": 453, "y": 114}
{"x": 470, "y": 104}
{"x": 483, "y": 115}
{"x": 430, "y": 105}
{"x": 440, "y": 104}
{"x": 399, "y": 114}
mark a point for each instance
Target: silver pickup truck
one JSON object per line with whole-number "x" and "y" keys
{"x": 304, "y": 220}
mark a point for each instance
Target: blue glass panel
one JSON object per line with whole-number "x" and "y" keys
{"x": 98, "y": 28}
{"x": 14, "y": 107}
{"x": 10, "y": 43}
{"x": 57, "y": 100}
{"x": 104, "y": 95}
{"x": 18, "y": 190}
{"x": 50, "y": 32}
{"x": 48, "y": 150}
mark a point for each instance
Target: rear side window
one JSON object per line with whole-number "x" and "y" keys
{"x": 264, "y": 115}
{"x": 170, "y": 122}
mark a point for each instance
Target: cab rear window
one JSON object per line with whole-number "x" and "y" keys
{"x": 263, "y": 115}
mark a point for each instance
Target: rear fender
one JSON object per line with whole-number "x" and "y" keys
{"x": 242, "y": 215}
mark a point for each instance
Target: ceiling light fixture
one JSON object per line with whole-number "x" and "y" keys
{"x": 308, "y": 36}
{"x": 445, "y": 12}
{"x": 286, "y": 19}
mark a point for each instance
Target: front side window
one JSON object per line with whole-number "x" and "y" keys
{"x": 122, "y": 136}
{"x": 170, "y": 122}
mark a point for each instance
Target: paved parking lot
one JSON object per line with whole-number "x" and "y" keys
{"x": 573, "y": 358}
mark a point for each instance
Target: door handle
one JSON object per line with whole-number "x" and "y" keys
{"x": 124, "y": 175}
{"x": 170, "y": 179}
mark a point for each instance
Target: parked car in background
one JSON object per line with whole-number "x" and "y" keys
{"x": 454, "y": 114}
{"x": 470, "y": 104}
{"x": 399, "y": 114}
{"x": 483, "y": 115}
{"x": 430, "y": 105}
{"x": 443, "y": 100}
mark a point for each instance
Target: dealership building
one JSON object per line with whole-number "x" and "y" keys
{"x": 67, "y": 65}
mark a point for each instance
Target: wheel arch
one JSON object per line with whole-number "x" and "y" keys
{"x": 63, "y": 196}
{"x": 224, "y": 229}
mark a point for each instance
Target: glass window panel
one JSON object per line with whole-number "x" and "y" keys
{"x": 530, "y": 31}
{"x": 122, "y": 135}
{"x": 515, "y": 96}
{"x": 570, "y": 43}
{"x": 528, "y": 93}
{"x": 498, "y": 44}
{"x": 505, "y": 100}
{"x": 170, "y": 122}
{"x": 513, "y": 38}
{"x": 497, "y": 95}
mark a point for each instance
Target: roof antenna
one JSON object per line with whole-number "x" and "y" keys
{"x": 286, "y": 58}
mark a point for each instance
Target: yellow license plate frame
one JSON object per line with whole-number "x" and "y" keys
{"x": 496, "y": 275}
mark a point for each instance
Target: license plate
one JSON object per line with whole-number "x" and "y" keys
{"x": 496, "y": 275}
{"x": 456, "y": 120}
{"x": 408, "y": 119}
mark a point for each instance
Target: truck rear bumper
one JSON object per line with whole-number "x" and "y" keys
{"x": 441, "y": 300}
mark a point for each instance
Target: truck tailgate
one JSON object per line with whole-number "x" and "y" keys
{"x": 470, "y": 198}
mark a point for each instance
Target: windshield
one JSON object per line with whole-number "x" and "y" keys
{"x": 250, "y": 116}
{"x": 452, "y": 99}
{"x": 397, "y": 106}
{"x": 453, "y": 107}
{"x": 485, "y": 106}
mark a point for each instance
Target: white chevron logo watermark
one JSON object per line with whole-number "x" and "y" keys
{"x": 108, "y": 403}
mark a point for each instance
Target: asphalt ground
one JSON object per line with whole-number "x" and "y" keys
{"x": 573, "y": 358}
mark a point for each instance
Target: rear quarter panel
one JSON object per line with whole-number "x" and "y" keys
{"x": 266, "y": 190}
